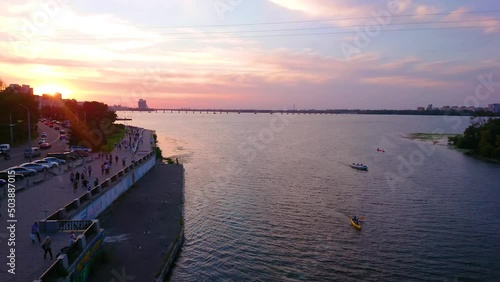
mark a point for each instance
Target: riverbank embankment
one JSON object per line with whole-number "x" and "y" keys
{"x": 143, "y": 225}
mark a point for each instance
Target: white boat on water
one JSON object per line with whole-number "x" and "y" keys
{"x": 359, "y": 166}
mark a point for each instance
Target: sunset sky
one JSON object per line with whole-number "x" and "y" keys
{"x": 264, "y": 54}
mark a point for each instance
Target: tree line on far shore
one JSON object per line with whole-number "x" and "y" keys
{"x": 482, "y": 137}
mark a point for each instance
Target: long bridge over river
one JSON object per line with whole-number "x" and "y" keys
{"x": 244, "y": 111}
{"x": 315, "y": 112}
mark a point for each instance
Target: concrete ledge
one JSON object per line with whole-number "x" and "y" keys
{"x": 171, "y": 257}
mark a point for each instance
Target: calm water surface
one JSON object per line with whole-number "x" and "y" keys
{"x": 268, "y": 197}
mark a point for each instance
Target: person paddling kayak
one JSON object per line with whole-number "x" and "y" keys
{"x": 355, "y": 219}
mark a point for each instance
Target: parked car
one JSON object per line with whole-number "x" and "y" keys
{"x": 33, "y": 166}
{"x": 4, "y": 175}
{"x": 62, "y": 137}
{"x": 44, "y": 134}
{"x": 45, "y": 145}
{"x": 55, "y": 160}
{"x": 41, "y": 141}
{"x": 48, "y": 164}
{"x": 33, "y": 152}
{"x": 22, "y": 170}
{"x": 80, "y": 148}
{"x": 4, "y": 147}
{"x": 56, "y": 128}
{"x": 62, "y": 131}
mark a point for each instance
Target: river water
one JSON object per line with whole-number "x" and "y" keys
{"x": 267, "y": 197}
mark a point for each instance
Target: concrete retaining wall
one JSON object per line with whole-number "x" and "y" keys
{"x": 101, "y": 203}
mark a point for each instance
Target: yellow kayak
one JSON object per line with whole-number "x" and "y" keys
{"x": 357, "y": 226}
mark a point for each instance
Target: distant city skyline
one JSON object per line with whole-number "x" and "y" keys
{"x": 259, "y": 54}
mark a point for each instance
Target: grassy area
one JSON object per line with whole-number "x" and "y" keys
{"x": 115, "y": 137}
{"x": 430, "y": 136}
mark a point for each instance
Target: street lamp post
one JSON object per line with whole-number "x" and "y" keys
{"x": 29, "y": 131}
{"x": 11, "y": 134}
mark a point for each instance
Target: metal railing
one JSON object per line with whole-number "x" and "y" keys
{"x": 74, "y": 225}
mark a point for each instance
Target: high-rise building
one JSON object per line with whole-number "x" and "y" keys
{"x": 52, "y": 100}
{"x": 429, "y": 107}
{"x": 496, "y": 108}
{"x": 142, "y": 104}
{"x": 20, "y": 89}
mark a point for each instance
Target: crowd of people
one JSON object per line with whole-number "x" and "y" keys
{"x": 81, "y": 180}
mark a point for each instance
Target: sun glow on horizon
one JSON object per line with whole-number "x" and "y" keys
{"x": 51, "y": 89}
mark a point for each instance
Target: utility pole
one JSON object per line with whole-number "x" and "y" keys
{"x": 29, "y": 131}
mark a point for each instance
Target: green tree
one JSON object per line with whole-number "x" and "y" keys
{"x": 10, "y": 106}
{"x": 482, "y": 137}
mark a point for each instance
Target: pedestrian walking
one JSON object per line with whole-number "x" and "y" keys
{"x": 116, "y": 159}
{"x": 46, "y": 246}
{"x": 96, "y": 182}
{"x": 84, "y": 170}
{"x": 85, "y": 182}
{"x": 102, "y": 168}
{"x": 72, "y": 177}
{"x": 106, "y": 168}
{"x": 77, "y": 176}
{"x": 72, "y": 238}
{"x": 35, "y": 231}
{"x": 82, "y": 176}
{"x": 89, "y": 169}
{"x": 110, "y": 159}
{"x": 123, "y": 161}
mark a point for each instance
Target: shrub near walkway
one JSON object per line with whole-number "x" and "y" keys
{"x": 115, "y": 137}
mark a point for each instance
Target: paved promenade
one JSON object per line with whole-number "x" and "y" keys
{"x": 43, "y": 199}
{"x": 141, "y": 226}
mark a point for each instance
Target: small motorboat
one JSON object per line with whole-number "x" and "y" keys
{"x": 359, "y": 166}
{"x": 356, "y": 225}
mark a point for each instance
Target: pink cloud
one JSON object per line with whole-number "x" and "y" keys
{"x": 489, "y": 24}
